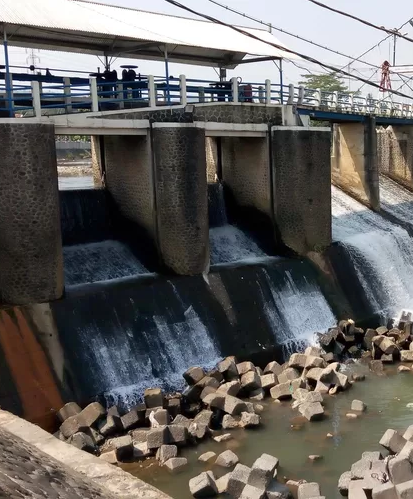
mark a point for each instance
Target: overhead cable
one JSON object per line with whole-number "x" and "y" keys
{"x": 277, "y": 46}
{"x": 363, "y": 21}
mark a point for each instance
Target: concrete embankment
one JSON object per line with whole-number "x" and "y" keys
{"x": 81, "y": 474}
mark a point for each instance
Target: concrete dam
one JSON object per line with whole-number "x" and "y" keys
{"x": 211, "y": 233}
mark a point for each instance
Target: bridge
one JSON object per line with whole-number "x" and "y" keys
{"x": 39, "y": 96}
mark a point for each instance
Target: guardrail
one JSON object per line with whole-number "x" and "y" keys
{"x": 72, "y": 95}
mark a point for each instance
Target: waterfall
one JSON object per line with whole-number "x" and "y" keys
{"x": 297, "y": 309}
{"x": 228, "y": 243}
{"x": 380, "y": 252}
{"x": 127, "y": 360}
{"x": 95, "y": 262}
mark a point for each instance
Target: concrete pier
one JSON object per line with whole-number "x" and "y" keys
{"x": 354, "y": 161}
{"x": 181, "y": 197}
{"x": 301, "y": 187}
{"x": 395, "y": 154}
{"x": 31, "y": 261}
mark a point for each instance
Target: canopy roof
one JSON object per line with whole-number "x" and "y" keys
{"x": 93, "y": 28}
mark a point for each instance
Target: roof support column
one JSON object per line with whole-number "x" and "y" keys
{"x": 9, "y": 89}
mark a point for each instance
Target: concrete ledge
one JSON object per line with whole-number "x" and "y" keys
{"x": 117, "y": 482}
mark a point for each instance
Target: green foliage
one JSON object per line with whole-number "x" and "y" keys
{"x": 328, "y": 82}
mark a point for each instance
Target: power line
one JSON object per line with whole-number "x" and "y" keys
{"x": 391, "y": 32}
{"x": 271, "y": 26}
{"x": 278, "y": 47}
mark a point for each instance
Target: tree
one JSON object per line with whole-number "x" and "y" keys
{"x": 328, "y": 82}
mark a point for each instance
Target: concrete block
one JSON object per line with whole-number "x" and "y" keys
{"x": 314, "y": 362}
{"x": 230, "y": 388}
{"x": 360, "y": 469}
{"x": 69, "y": 409}
{"x": 297, "y": 360}
{"x": 262, "y": 471}
{"x": 408, "y": 434}
{"x": 83, "y": 442}
{"x": 233, "y": 405}
{"x": 274, "y": 368}
{"x": 407, "y": 452}
{"x": 250, "y": 381}
{"x": 238, "y": 479}
{"x": 173, "y": 405}
{"x": 92, "y": 413}
{"x": 249, "y": 420}
{"x": 385, "y": 491}
{"x": 228, "y": 369}
{"x": 131, "y": 420}
{"x": 222, "y": 483}
{"x": 203, "y": 485}
{"x": 288, "y": 374}
{"x": 198, "y": 430}
{"x": 228, "y": 422}
{"x": 123, "y": 447}
{"x": 285, "y": 390}
{"x": 227, "y": 459}
{"x": 166, "y": 452}
{"x": 204, "y": 417}
{"x": 344, "y": 483}
{"x": 251, "y": 492}
{"x": 193, "y": 375}
{"x": 154, "y": 397}
{"x": 140, "y": 450}
{"x": 392, "y": 441}
{"x": 176, "y": 464}
{"x": 257, "y": 395}
{"x": 110, "y": 426}
{"x": 312, "y": 411}
{"x": 406, "y": 356}
{"x": 161, "y": 416}
{"x": 400, "y": 470}
{"x": 405, "y": 490}
{"x": 308, "y": 490}
{"x": 72, "y": 425}
{"x": 244, "y": 367}
{"x": 109, "y": 457}
{"x": 176, "y": 434}
{"x": 208, "y": 390}
{"x": 358, "y": 405}
{"x": 215, "y": 400}
{"x": 268, "y": 381}
{"x": 314, "y": 373}
{"x": 207, "y": 456}
{"x": 158, "y": 437}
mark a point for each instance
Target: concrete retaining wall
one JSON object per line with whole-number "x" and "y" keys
{"x": 31, "y": 261}
{"x": 246, "y": 171}
{"x": 128, "y": 162}
{"x": 301, "y": 187}
{"x": 80, "y": 474}
{"x": 354, "y": 161}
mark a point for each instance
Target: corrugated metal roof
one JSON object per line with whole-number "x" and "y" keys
{"x": 103, "y": 22}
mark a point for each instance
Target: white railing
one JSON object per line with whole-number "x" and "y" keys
{"x": 71, "y": 95}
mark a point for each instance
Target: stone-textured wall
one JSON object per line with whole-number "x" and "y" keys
{"x": 31, "y": 261}
{"x": 395, "y": 154}
{"x": 211, "y": 158}
{"x": 129, "y": 178}
{"x": 246, "y": 171}
{"x": 221, "y": 113}
{"x": 181, "y": 198}
{"x": 95, "y": 142}
{"x": 354, "y": 161}
{"x": 301, "y": 187}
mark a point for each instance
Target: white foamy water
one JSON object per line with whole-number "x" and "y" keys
{"x": 297, "y": 311}
{"x": 102, "y": 261}
{"x": 396, "y": 200}
{"x": 164, "y": 353}
{"x": 380, "y": 251}
{"x": 230, "y": 244}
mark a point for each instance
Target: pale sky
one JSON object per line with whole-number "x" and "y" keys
{"x": 297, "y": 16}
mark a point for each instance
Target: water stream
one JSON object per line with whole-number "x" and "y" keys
{"x": 380, "y": 252}
{"x": 386, "y": 399}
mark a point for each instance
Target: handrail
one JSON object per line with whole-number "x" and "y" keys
{"x": 40, "y": 95}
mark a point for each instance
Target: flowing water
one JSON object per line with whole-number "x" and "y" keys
{"x": 96, "y": 262}
{"x": 228, "y": 243}
{"x": 380, "y": 252}
{"x": 386, "y": 399}
{"x": 70, "y": 183}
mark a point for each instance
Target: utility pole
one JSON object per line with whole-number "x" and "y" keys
{"x": 394, "y": 48}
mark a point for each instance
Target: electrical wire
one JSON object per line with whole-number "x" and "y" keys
{"x": 281, "y": 30}
{"x": 279, "y": 47}
{"x": 363, "y": 21}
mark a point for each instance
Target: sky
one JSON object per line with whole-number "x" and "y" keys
{"x": 297, "y": 16}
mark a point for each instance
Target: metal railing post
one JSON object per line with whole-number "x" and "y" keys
{"x": 119, "y": 95}
{"x": 152, "y": 91}
{"x": 234, "y": 85}
{"x": 300, "y": 95}
{"x": 36, "y": 100}
{"x": 290, "y": 94}
{"x": 68, "y": 95}
{"x": 94, "y": 95}
{"x": 182, "y": 89}
{"x": 268, "y": 92}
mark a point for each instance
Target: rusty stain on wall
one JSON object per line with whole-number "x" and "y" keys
{"x": 30, "y": 369}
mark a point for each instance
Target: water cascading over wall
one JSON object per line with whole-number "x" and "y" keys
{"x": 379, "y": 256}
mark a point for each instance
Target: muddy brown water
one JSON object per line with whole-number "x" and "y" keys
{"x": 285, "y": 435}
